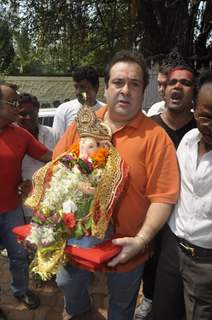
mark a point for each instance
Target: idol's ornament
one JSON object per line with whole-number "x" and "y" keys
{"x": 74, "y": 196}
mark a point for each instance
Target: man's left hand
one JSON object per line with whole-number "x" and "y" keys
{"x": 131, "y": 246}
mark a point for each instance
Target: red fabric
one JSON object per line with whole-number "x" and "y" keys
{"x": 15, "y": 142}
{"x": 90, "y": 258}
{"x": 97, "y": 255}
{"x": 22, "y": 231}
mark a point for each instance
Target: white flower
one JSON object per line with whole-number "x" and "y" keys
{"x": 69, "y": 206}
{"x": 41, "y": 235}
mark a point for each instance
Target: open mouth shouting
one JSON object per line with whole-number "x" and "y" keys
{"x": 176, "y": 96}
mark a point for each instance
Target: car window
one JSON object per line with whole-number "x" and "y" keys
{"x": 46, "y": 121}
{"x": 46, "y": 116}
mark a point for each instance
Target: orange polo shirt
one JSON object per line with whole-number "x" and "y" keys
{"x": 153, "y": 174}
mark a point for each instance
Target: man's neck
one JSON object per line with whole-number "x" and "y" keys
{"x": 114, "y": 124}
{"x": 176, "y": 120}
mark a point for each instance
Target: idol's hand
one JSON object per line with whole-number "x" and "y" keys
{"x": 86, "y": 188}
{"x": 131, "y": 246}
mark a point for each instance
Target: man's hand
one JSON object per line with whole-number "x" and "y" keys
{"x": 24, "y": 188}
{"x": 131, "y": 246}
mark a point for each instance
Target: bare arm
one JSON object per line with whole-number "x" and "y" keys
{"x": 46, "y": 157}
{"x": 156, "y": 217}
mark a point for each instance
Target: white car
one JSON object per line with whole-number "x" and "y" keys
{"x": 46, "y": 116}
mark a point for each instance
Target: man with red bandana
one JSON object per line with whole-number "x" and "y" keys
{"x": 178, "y": 118}
{"x": 184, "y": 270}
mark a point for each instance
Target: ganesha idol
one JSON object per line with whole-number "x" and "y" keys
{"x": 74, "y": 196}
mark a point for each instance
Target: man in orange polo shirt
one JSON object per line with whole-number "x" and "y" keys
{"x": 146, "y": 203}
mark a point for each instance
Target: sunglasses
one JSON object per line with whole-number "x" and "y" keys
{"x": 14, "y": 103}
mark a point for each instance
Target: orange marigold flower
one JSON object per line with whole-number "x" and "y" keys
{"x": 99, "y": 157}
{"x": 74, "y": 148}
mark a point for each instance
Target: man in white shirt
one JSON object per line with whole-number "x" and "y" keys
{"x": 159, "y": 107}
{"x": 28, "y": 119}
{"x": 184, "y": 274}
{"x": 86, "y": 79}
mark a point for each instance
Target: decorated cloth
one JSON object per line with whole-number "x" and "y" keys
{"x": 62, "y": 210}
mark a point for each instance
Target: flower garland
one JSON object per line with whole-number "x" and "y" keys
{"x": 64, "y": 206}
{"x": 64, "y": 209}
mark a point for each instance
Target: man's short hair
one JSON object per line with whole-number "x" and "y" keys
{"x": 88, "y": 73}
{"x": 204, "y": 77}
{"x": 28, "y": 98}
{"x": 9, "y": 85}
{"x": 164, "y": 69}
{"x": 127, "y": 56}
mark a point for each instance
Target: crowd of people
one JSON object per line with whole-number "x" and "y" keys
{"x": 164, "y": 214}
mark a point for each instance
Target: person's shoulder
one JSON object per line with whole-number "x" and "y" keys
{"x": 20, "y": 132}
{"x": 17, "y": 129}
{"x": 191, "y": 136}
{"x": 45, "y": 129}
{"x": 150, "y": 121}
{"x": 155, "y": 133}
{"x": 67, "y": 105}
{"x": 156, "y": 108}
{"x": 101, "y": 111}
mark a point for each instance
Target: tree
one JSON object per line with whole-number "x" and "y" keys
{"x": 164, "y": 25}
{"x": 66, "y": 33}
{"x": 6, "y": 46}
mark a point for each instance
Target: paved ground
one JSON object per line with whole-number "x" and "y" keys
{"x": 51, "y": 307}
{"x": 51, "y": 299}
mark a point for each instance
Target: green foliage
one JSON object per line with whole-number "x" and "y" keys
{"x": 6, "y": 46}
{"x": 52, "y": 36}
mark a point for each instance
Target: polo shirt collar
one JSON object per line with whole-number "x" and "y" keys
{"x": 134, "y": 123}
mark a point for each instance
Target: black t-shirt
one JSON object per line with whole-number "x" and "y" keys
{"x": 175, "y": 135}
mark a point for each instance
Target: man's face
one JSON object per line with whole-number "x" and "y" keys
{"x": 8, "y": 109}
{"x": 87, "y": 87}
{"x": 179, "y": 90}
{"x": 203, "y": 113}
{"x": 28, "y": 116}
{"x": 124, "y": 92}
{"x": 161, "y": 81}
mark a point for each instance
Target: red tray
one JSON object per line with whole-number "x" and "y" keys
{"x": 91, "y": 258}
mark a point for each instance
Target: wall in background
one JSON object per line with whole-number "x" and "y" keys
{"x": 58, "y": 89}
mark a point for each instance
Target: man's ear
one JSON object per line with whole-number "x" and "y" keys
{"x": 195, "y": 113}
